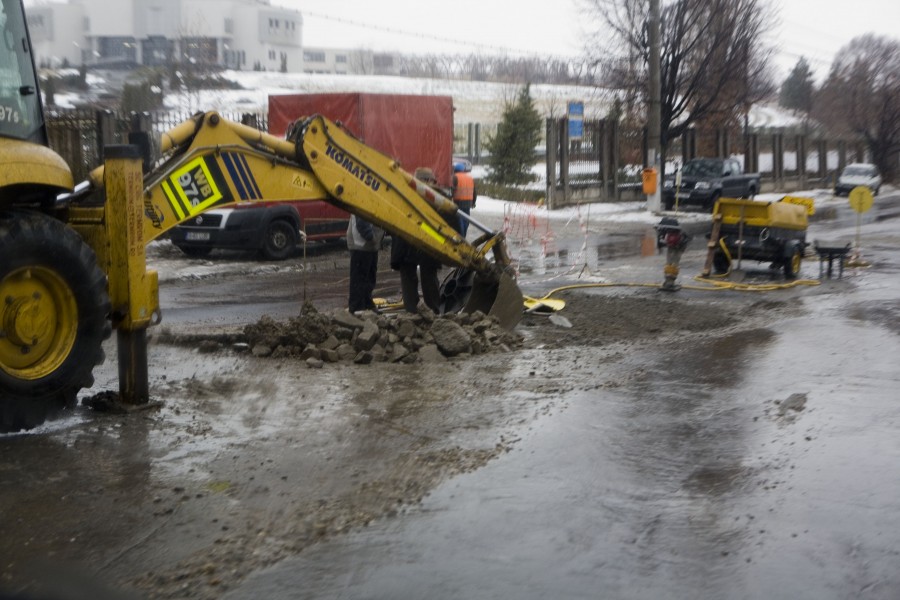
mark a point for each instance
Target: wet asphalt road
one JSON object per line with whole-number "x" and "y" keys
{"x": 761, "y": 464}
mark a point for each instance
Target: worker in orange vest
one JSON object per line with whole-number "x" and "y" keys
{"x": 463, "y": 194}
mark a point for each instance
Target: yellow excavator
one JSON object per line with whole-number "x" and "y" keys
{"x": 72, "y": 263}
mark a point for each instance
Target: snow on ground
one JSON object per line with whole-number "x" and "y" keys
{"x": 475, "y": 101}
{"x": 532, "y": 230}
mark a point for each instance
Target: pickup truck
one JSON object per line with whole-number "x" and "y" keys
{"x": 705, "y": 180}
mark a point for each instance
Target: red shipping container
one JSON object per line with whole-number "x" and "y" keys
{"x": 415, "y": 130}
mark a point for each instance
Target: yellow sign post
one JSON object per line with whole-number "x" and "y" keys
{"x": 861, "y": 201}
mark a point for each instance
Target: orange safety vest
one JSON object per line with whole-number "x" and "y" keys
{"x": 465, "y": 188}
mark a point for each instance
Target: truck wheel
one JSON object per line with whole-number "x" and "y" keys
{"x": 279, "y": 240}
{"x": 711, "y": 203}
{"x": 792, "y": 264}
{"x": 721, "y": 264}
{"x": 53, "y": 318}
{"x": 195, "y": 251}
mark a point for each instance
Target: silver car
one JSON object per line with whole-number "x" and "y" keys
{"x": 856, "y": 174}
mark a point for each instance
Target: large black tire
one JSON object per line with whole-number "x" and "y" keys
{"x": 792, "y": 263}
{"x": 279, "y": 240}
{"x": 721, "y": 264}
{"x": 711, "y": 203}
{"x": 54, "y": 309}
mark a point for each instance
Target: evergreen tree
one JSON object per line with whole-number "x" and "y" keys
{"x": 797, "y": 89}
{"x": 512, "y": 147}
{"x": 142, "y": 96}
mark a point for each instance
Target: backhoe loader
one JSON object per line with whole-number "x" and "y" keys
{"x": 72, "y": 260}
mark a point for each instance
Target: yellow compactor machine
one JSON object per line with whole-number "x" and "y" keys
{"x": 72, "y": 258}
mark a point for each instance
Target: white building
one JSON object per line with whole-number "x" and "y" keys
{"x": 237, "y": 34}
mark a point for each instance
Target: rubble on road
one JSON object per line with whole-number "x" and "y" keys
{"x": 318, "y": 338}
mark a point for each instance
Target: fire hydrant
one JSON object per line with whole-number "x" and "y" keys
{"x": 670, "y": 236}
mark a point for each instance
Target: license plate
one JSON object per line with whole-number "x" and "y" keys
{"x": 197, "y": 236}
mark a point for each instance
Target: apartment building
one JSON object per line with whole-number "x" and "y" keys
{"x": 236, "y": 34}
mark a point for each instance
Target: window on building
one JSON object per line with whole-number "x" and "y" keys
{"x": 383, "y": 61}
{"x": 318, "y": 57}
{"x": 200, "y": 50}
{"x": 340, "y": 58}
{"x": 157, "y": 50}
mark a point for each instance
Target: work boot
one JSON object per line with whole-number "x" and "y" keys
{"x": 671, "y": 273}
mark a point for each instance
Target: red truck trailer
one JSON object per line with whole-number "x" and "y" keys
{"x": 415, "y": 130}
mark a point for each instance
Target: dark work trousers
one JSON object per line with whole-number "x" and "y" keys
{"x": 363, "y": 270}
{"x": 466, "y": 207}
{"x": 409, "y": 286}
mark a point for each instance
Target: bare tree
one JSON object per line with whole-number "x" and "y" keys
{"x": 713, "y": 63}
{"x": 862, "y": 96}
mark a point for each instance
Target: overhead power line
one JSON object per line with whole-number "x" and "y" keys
{"x": 427, "y": 36}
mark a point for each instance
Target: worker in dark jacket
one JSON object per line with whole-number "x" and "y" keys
{"x": 415, "y": 265}
{"x": 464, "y": 194}
{"x": 363, "y": 241}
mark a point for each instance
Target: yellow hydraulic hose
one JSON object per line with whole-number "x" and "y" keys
{"x": 714, "y": 286}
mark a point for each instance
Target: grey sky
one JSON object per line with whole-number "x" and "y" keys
{"x": 815, "y": 29}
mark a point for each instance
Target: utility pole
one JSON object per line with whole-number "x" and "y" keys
{"x": 654, "y": 203}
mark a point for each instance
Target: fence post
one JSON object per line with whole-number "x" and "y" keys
{"x": 106, "y": 130}
{"x": 470, "y": 142}
{"x": 801, "y": 160}
{"x": 141, "y": 125}
{"x": 477, "y": 143}
{"x": 723, "y": 145}
{"x": 551, "y": 163}
{"x": 688, "y": 145}
{"x": 778, "y": 159}
{"x": 645, "y": 146}
{"x": 564, "y": 159}
{"x": 615, "y": 160}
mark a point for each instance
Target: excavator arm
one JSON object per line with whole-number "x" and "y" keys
{"x": 210, "y": 162}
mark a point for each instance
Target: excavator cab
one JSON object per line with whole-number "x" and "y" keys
{"x": 32, "y": 173}
{"x": 21, "y": 116}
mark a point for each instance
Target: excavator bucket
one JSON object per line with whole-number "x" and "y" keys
{"x": 498, "y": 296}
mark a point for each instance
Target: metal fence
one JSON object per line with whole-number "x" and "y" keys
{"x": 80, "y": 135}
{"x": 606, "y": 162}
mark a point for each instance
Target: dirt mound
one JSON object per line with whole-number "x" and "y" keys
{"x": 340, "y": 337}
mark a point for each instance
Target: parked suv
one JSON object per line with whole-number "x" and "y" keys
{"x": 856, "y": 174}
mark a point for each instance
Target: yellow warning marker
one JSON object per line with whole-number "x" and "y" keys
{"x": 861, "y": 200}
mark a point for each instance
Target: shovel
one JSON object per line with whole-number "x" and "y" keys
{"x": 494, "y": 294}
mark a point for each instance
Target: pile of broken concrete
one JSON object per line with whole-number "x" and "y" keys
{"x": 368, "y": 337}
